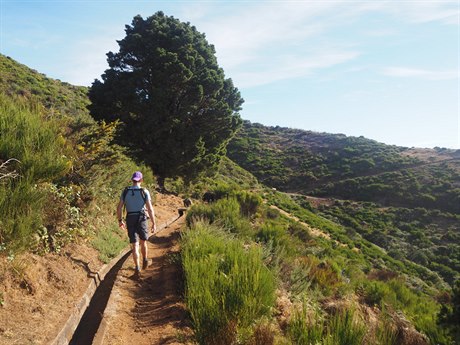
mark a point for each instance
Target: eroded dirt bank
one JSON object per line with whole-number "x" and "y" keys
{"x": 41, "y": 291}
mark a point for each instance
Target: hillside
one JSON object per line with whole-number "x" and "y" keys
{"x": 353, "y": 168}
{"x": 405, "y": 200}
{"x": 63, "y": 99}
{"x": 259, "y": 266}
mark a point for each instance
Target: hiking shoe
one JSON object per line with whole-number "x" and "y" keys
{"x": 137, "y": 274}
{"x": 145, "y": 264}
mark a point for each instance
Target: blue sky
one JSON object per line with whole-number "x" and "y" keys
{"x": 386, "y": 70}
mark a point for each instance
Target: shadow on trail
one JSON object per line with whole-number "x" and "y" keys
{"x": 89, "y": 323}
{"x": 164, "y": 241}
{"x": 149, "y": 291}
{"x": 159, "y": 297}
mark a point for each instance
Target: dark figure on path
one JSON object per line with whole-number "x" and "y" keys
{"x": 138, "y": 202}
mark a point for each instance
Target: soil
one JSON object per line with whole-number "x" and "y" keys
{"x": 149, "y": 310}
{"x": 38, "y": 293}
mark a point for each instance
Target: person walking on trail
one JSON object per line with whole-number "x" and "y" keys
{"x": 137, "y": 201}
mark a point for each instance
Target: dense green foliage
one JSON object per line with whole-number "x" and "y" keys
{"x": 343, "y": 328}
{"x": 415, "y": 193}
{"x": 177, "y": 108}
{"x": 29, "y": 150}
{"x": 320, "y": 269}
{"x": 230, "y": 177}
{"x": 348, "y": 167}
{"x": 427, "y": 237}
{"x": 227, "y": 285}
{"x": 62, "y": 99}
{"x": 297, "y": 160}
{"x": 432, "y": 186}
{"x": 60, "y": 169}
{"x": 336, "y": 262}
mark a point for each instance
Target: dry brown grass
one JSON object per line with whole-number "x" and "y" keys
{"x": 284, "y": 308}
{"x": 264, "y": 334}
{"x": 382, "y": 275}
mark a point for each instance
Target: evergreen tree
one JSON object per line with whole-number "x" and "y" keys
{"x": 178, "y": 111}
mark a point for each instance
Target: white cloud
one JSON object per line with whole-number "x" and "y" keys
{"x": 291, "y": 67}
{"x": 272, "y": 41}
{"x": 87, "y": 58}
{"x": 407, "y": 72}
{"x": 269, "y": 41}
{"x": 427, "y": 11}
{"x": 262, "y": 42}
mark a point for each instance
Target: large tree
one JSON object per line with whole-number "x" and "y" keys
{"x": 178, "y": 111}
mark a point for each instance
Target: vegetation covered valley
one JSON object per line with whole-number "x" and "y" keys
{"x": 404, "y": 200}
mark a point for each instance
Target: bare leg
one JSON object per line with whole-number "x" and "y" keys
{"x": 135, "y": 252}
{"x": 144, "y": 249}
{"x": 144, "y": 252}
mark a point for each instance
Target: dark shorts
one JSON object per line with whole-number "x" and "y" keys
{"x": 137, "y": 227}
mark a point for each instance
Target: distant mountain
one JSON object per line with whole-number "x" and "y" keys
{"x": 355, "y": 168}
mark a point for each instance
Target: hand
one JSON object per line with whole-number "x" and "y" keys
{"x": 121, "y": 224}
{"x": 154, "y": 228}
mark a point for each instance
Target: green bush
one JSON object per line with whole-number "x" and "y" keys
{"x": 386, "y": 332}
{"x": 36, "y": 145}
{"x": 376, "y": 292}
{"x": 420, "y": 309}
{"x": 342, "y": 328}
{"x": 272, "y": 232}
{"x": 249, "y": 203}
{"x": 226, "y": 212}
{"x": 109, "y": 242}
{"x": 305, "y": 327}
{"x": 33, "y": 140}
{"x": 227, "y": 284}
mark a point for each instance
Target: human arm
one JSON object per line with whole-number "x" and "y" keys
{"x": 121, "y": 223}
{"x": 151, "y": 213}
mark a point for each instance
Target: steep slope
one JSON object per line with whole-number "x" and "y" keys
{"x": 405, "y": 200}
{"x": 63, "y": 99}
{"x": 38, "y": 293}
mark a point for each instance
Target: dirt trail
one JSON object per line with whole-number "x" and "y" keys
{"x": 149, "y": 310}
{"x": 314, "y": 231}
{"x": 40, "y": 295}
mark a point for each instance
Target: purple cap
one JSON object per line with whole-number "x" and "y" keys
{"x": 137, "y": 176}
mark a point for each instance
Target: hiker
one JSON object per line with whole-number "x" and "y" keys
{"x": 137, "y": 200}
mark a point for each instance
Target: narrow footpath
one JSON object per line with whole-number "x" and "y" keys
{"x": 149, "y": 310}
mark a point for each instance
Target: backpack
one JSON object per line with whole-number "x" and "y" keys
{"x": 134, "y": 190}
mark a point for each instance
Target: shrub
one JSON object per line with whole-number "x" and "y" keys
{"x": 344, "y": 328}
{"x": 305, "y": 327}
{"x": 109, "y": 242}
{"x": 34, "y": 141}
{"x": 386, "y": 332}
{"x": 249, "y": 203}
{"x": 300, "y": 231}
{"x": 376, "y": 292}
{"x": 272, "y": 232}
{"x": 226, "y": 212}
{"x": 227, "y": 285}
